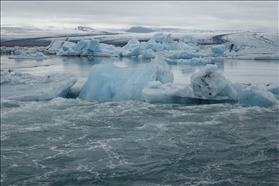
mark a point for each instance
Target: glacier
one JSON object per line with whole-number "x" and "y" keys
{"x": 16, "y": 85}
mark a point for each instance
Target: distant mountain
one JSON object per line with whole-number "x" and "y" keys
{"x": 84, "y": 28}
{"x": 139, "y": 29}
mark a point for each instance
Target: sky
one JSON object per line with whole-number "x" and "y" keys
{"x": 201, "y": 15}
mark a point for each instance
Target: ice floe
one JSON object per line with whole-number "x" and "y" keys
{"x": 21, "y": 86}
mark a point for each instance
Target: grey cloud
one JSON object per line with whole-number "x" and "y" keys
{"x": 199, "y": 15}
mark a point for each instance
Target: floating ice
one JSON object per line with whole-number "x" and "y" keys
{"x": 148, "y": 54}
{"x": 268, "y": 57}
{"x": 151, "y": 44}
{"x": 182, "y": 54}
{"x": 21, "y": 86}
{"x": 254, "y": 96}
{"x": 68, "y": 45}
{"x": 208, "y": 83}
{"x": 132, "y": 48}
{"x": 218, "y": 49}
{"x": 210, "y": 86}
{"x": 162, "y": 38}
{"x": 249, "y": 56}
{"x": 193, "y": 61}
{"x": 188, "y": 40}
{"x": 271, "y": 87}
{"x": 23, "y": 55}
{"x": 156, "y": 92}
{"x": 54, "y": 46}
{"x": 108, "y": 82}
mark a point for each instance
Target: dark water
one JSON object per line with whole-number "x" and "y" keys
{"x": 76, "y": 142}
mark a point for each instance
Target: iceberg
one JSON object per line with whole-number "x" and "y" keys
{"x": 87, "y": 48}
{"x": 209, "y": 83}
{"x": 268, "y": 57}
{"x": 108, "y": 82}
{"x": 23, "y": 55}
{"x": 132, "y": 48}
{"x": 156, "y": 92}
{"x": 182, "y": 54}
{"x": 271, "y": 87}
{"x": 256, "y": 56}
{"x": 254, "y": 96}
{"x": 54, "y": 46}
{"x": 162, "y": 38}
{"x": 25, "y": 87}
{"x": 218, "y": 49}
{"x": 148, "y": 54}
{"x": 68, "y": 45}
{"x": 194, "y": 61}
{"x": 188, "y": 40}
{"x": 210, "y": 86}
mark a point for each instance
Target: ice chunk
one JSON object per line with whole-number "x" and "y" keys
{"x": 187, "y": 47}
{"x": 208, "y": 83}
{"x": 253, "y": 96}
{"x": 188, "y": 40}
{"x": 132, "y": 48}
{"x": 210, "y": 86}
{"x": 193, "y": 61}
{"x": 108, "y": 82}
{"x": 248, "y": 56}
{"x": 156, "y": 92}
{"x": 22, "y": 86}
{"x": 81, "y": 45}
{"x": 23, "y": 55}
{"x": 54, "y": 46}
{"x": 132, "y": 43}
{"x": 93, "y": 45}
{"x": 181, "y": 54}
{"x": 151, "y": 44}
{"x": 148, "y": 54}
{"x": 218, "y": 49}
{"x": 162, "y": 38}
{"x": 107, "y": 49}
{"x": 68, "y": 45}
{"x": 83, "y": 48}
{"x": 268, "y": 57}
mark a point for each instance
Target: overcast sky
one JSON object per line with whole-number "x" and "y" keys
{"x": 189, "y": 15}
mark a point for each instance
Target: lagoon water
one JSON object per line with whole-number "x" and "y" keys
{"x": 76, "y": 142}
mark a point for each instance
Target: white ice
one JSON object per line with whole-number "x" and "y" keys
{"x": 24, "y": 55}
{"x": 21, "y": 86}
{"x": 209, "y": 85}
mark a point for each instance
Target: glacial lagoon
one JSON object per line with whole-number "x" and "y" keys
{"x": 77, "y": 142}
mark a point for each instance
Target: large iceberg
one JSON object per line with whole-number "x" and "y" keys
{"x": 108, "y": 82}
{"x": 87, "y": 48}
{"x": 21, "y": 86}
{"x": 208, "y": 83}
{"x": 210, "y": 86}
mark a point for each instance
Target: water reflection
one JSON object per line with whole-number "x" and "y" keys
{"x": 239, "y": 71}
